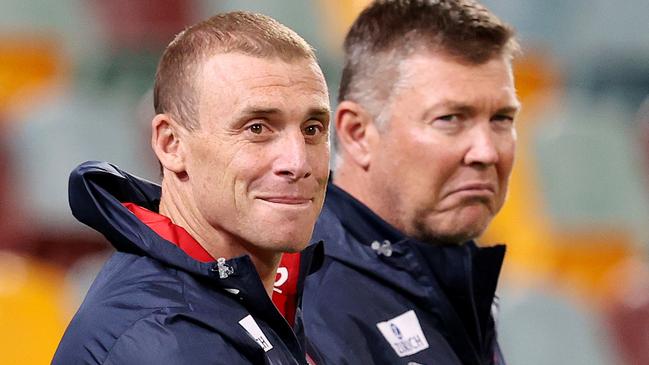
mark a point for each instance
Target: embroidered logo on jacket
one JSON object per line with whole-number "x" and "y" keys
{"x": 249, "y": 324}
{"x": 404, "y": 334}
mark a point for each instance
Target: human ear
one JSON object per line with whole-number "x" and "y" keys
{"x": 166, "y": 143}
{"x": 356, "y": 133}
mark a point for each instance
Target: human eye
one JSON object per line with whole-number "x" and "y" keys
{"x": 447, "y": 118}
{"x": 452, "y": 120}
{"x": 257, "y": 129}
{"x": 503, "y": 120}
{"x": 314, "y": 130}
{"x": 448, "y": 123}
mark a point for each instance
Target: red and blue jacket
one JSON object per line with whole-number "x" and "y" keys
{"x": 381, "y": 297}
{"x": 162, "y": 299}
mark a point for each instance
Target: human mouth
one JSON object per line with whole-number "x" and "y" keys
{"x": 287, "y": 200}
{"x": 477, "y": 188}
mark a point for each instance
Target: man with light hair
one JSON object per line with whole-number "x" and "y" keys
{"x": 241, "y": 135}
{"x": 425, "y": 142}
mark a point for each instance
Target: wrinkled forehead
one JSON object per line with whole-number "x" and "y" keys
{"x": 240, "y": 69}
{"x": 229, "y": 82}
{"x": 425, "y": 54}
{"x": 435, "y": 70}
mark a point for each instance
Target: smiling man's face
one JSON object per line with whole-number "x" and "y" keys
{"x": 440, "y": 167}
{"x": 259, "y": 162}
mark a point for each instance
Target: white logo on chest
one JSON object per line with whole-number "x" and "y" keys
{"x": 404, "y": 334}
{"x": 249, "y": 324}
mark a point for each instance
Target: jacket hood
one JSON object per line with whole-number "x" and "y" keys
{"x": 96, "y": 193}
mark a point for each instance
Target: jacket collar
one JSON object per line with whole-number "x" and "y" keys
{"x": 366, "y": 227}
{"x": 360, "y": 220}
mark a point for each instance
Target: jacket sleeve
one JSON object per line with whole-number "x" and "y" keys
{"x": 150, "y": 341}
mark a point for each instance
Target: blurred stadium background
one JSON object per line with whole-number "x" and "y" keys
{"x": 75, "y": 79}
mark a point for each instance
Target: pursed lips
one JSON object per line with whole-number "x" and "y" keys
{"x": 475, "y": 187}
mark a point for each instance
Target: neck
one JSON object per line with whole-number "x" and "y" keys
{"x": 351, "y": 178}
{"x": 362, "y": 185}
{"x": 180, "y": 208}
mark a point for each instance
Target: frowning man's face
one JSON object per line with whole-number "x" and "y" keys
{"x": 440, "y": 167}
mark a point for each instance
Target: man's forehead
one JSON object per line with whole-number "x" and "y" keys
{"x": 441, "y": 72}
{"x": 237, "y": 67}
{"x": 426, "y": 57}
{"x": 248, "y": 85}
{"x": 254, "y": 109}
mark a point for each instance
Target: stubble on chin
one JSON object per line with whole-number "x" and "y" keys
{"x": 426, "y": 231}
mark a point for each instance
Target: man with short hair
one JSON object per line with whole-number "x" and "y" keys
{"x": 426, "y": 142}
{"x": 241, "y": 134}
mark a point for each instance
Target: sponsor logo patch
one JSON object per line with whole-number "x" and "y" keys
{"x": 404, "y": 334}
{"x": 249, "y": 324}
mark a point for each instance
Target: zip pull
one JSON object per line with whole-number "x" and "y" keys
{"x": 384, "y": 248}
{"x": 223, "y": 269}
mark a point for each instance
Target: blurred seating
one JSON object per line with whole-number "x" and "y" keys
{"x": 33, "y": 310}
{"x": 588, "y": 167}
{"x": 144, "y": 24}
{"x": 627, "y": 310}
{"x": 541, "y": 327}
{"x": 642, "y": 128}
{"x": 13, "y": 227}
{"x": 28, "y": 62}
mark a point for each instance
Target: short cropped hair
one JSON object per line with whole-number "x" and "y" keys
{"x": 389, "y": 31}
{"x": 175, "y": 90}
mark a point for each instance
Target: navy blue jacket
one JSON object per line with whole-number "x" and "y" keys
{"x": 384, "y": 298}
{"x": 153, "y": 304}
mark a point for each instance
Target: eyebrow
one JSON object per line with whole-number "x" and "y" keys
{"x": 253, "y": 110}
{"x": 509, "y": 109}
{"x": 468, "y": 109}
{"x": 320, "y": 111}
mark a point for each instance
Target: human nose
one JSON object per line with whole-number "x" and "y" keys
{"x": 483, "y": 147}
{"x": 292, "y": 162}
